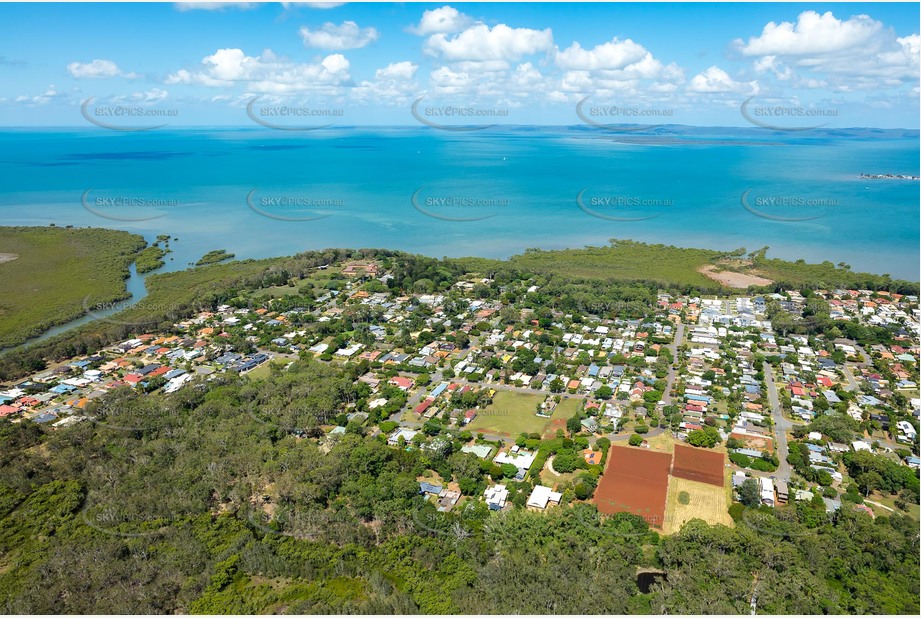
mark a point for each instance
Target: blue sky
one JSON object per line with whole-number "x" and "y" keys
{"x": 797, "y": 64}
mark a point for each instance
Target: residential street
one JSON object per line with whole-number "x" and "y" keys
{"x": 781, "y": 424}
{"x": 851, "y": 382}
{"x": 672, "y": 372}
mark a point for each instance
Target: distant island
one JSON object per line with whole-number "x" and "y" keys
{"x": 888, "y": 177}
{"x": 213, "y": 257}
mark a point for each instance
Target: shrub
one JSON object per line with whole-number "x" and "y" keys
{"x": 684, "y": 497}
{"x": 635, "y": 440}
{"x": 736, "y": 511}
{"x": 763, "y": 465}
{"x": 703, "y": 438}
{"x": 741, "y": 460}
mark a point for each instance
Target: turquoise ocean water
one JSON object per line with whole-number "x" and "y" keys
{"x": 493, "y": 193}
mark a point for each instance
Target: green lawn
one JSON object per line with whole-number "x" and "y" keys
{"x": 316, "y": 281}
{"x": 551, "y": 480}
{"x": 263, "y": 370}
{"x": 567, "y": 408}
{"x": 511, "y": 414}
{"x": 54, "y": 270}
{"x": 914, "y": 511}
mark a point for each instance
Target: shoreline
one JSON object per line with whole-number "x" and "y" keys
{"x": 716, "y": 270}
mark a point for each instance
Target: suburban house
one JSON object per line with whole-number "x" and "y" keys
{"x": 542, "y": 496}
{"x": 496, "y": 497}
{"x": 783, "y": 494}
{"x": 767, "y": 491}
{"x": 403, "y": 432}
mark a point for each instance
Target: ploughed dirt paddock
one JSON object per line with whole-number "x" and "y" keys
{"x": 704, "y": 501}
{"x": 696, "y": 464}
{"x": 635, "y": 481}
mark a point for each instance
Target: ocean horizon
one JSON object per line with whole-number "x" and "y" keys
{"x": 492, "y": 193}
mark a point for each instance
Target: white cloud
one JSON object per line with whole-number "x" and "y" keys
{"x": 770, "y": 64}
{"x": 481, "y": 43}
{"x": 50, "y": 94}
{"x": 345, "y": 36}
{"x": 812, "y": 34}
{"x": 313, "y": 5}
{"x": 822, "y": 51}
{"x": 443, "y": 20}
{"x": 266, "y": 73}
{"x": 154, "y": 95}
{"x": 97, "y": 69}
{"x": 336, "y": 63}
{"x": 615, "y": 68}
{"x": 615, "y": 54}
{"x": 215, "y": 6}
{"x": 716, "y": 80}
{"x": 392, "y": 84}
{"x": 447, "y": 81}
{"x": 397, "y": 70}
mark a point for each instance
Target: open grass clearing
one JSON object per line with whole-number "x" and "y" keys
{"x": 511, "y": 414}
{"x": 705, "y": 501}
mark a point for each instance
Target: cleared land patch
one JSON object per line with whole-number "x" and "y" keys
{"x": 510, "y": 414}
{"x": 705, "y": 501}
{"x": 635, "y": 481}
{"x": 733, "y": 279}
{"x": 699, "y": 465}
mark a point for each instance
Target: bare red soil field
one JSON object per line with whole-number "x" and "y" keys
{"x": 635, "y": 481}
{"x": 695, "y": 464}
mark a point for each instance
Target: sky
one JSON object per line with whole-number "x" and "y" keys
{"x": 352, "y": 64}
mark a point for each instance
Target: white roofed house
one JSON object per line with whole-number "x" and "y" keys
{"x": 542, "y": 496}
{"x": 496, "y": 497}
{"x": 403, "y": 432}
{"x": 907, "y": 429}
{"x": 518, "y": 457}
{"x": 767, "y": 491}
